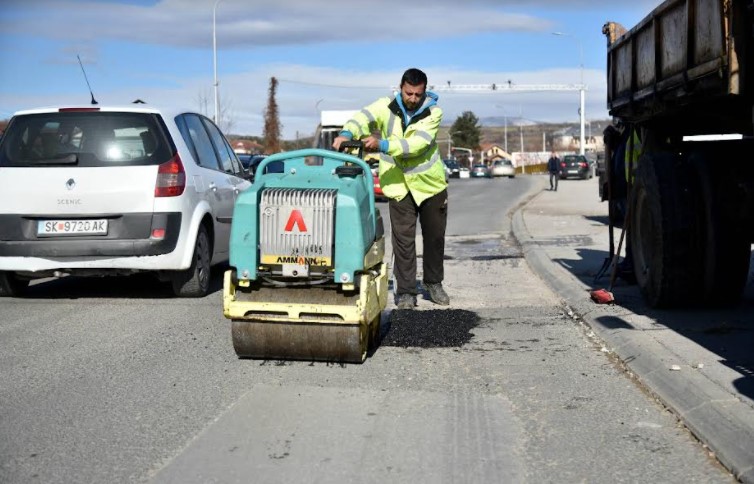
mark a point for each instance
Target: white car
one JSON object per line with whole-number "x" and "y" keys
{"x": 503, "y": 168}
{"x": 99, "y": 191}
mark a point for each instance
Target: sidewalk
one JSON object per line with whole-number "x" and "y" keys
{"x": 698, "y": 363}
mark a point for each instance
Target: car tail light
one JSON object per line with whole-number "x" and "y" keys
{"x": 563, "y": 164}
{"x": 582, "y": 164}
{"x": 171, "y": 178}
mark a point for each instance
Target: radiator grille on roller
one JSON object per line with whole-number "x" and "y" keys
{"x": 297, "y": 226}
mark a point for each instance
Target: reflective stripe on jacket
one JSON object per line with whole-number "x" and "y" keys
{"x": 633, "y": 152}
{"x": 410, "y": 160}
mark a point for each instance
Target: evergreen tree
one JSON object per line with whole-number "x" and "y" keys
{"x": 466, "y": 131}
{"x": 272, "y": 126}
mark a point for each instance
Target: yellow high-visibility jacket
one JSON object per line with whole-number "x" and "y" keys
{"x": 410, "y": 160}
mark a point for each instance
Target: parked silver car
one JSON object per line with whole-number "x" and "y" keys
{"x": 503, "y": 167}
{"x": 115, "y": 190}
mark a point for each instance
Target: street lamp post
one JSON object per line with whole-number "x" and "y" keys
{"x": 214, "y": 59}
{"x": 450, "y": 143}
{"x": 505, "y": 123}
{"x": 581, "y": 87}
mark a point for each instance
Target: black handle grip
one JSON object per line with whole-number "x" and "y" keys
{"x": 353, "y": 144}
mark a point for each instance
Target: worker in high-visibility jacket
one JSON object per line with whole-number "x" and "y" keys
{"x": 403, "y": 130}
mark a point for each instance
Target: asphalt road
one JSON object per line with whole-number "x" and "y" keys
{"x": 113, "y": 381}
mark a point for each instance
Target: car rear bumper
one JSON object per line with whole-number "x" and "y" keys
{"x": 129, "y": 235}
{"x": 583, "y": 174}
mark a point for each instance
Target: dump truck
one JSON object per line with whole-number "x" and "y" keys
{"x": 682, "y": 80}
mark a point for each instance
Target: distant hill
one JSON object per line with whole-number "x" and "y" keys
{"x": 493, "y": 131}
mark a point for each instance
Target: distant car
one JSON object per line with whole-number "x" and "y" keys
{"x": 251, "y": 162}
{"x": 98, "y": 191}
{"x": 452, "y": 169}
{"x": 575, "y": 166}
{"x": 480, "y": 171}
{"x": 503, "y": 167}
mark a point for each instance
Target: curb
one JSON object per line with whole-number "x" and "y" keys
{"x": 716, "y": 417}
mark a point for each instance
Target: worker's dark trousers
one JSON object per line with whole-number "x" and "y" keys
{"x": 433, "y": 216}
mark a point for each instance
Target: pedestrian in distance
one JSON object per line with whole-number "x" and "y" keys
{"x": 403, "y": 131}
{"x": 553, "y": 167}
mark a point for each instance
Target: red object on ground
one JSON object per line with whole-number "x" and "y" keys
{"x": 602, "y": 296}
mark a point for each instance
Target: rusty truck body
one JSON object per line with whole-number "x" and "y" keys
{"x": 682, "y": 79}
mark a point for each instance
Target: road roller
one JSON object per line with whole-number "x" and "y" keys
{"x": 307, "y": 280}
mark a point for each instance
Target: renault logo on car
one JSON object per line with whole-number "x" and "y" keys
{"x": 70, "y": 184}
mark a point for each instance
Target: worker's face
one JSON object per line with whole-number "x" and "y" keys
{"x": 412, "y": 96}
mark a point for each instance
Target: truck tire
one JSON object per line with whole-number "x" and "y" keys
{"x": 723, "y": 239}
{"x": 194, "y": 281}
{"x": 12, "y": 286}
{"x": 662, "y": 232}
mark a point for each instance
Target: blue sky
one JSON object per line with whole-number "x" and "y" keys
{"x": 326, "y": 55}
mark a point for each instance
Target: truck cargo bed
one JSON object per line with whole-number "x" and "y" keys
{"x": 686, "y": 56}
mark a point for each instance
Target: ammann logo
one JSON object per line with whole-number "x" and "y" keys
{"x": 292, "y": 259}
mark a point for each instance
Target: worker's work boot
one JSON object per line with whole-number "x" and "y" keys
{"x": 406, "y": 301}
{"x": 437, "y": 294}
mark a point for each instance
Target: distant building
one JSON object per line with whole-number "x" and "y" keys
{"x": 246, "y": 147}
{"x": 569, "y": 139}
{"x": 492, "y": 152}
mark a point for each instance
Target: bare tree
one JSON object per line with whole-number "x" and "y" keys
{"x": 226, "y": 114}
{"x": 202, "y": 100}
{"x": 227, "y": 118}
{"x": 272, "y": 126}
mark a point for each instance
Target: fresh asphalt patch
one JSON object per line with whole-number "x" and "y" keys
{"x": 435, "y": 328}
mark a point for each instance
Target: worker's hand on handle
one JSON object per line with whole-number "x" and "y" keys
{"x": 371, "y": 143}
{"x": 338, "y": 141}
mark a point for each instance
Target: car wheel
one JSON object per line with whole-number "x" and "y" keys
{"x": 194, "y": 281}
{"x": 12, "y": 286}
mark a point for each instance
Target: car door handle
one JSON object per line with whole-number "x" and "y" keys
{"x": 212, "y": 186}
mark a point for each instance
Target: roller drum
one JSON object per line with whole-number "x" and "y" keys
{"x": 300, "y": 341}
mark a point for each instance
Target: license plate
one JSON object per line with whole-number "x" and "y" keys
{"x": 573, "y": 171}
{"x": 49, "y": 228}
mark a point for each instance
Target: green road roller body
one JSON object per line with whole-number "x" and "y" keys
{"x": 307, "y": 278}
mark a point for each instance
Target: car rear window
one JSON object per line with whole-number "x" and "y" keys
{"x": 570, "y": 159}
{"x": 91, "y": 138}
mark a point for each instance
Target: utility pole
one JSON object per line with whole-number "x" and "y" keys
{"x": 521, "y": 136}
{"x": 214, "y": 57}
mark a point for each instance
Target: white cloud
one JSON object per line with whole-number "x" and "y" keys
{"x": 304, "y": 89}
{"x": 187, "y": 23}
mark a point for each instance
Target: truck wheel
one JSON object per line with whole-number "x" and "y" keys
{"x": 12, "y": 286}
{"x": 194, "y": 281}
{"x": 725, "y": 247}
{"x": 662, "y": 232}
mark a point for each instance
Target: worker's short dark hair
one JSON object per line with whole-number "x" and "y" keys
{"x": 414, "y": 76}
